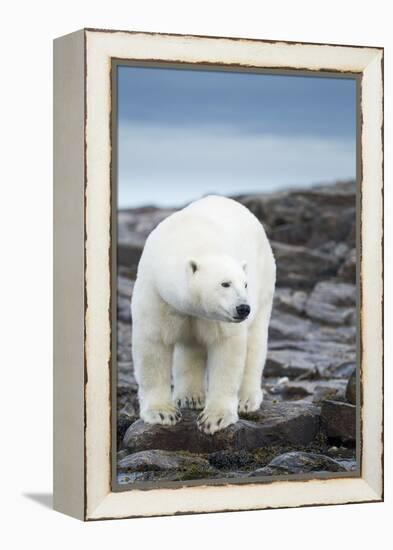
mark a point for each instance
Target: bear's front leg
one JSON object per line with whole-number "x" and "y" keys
{"x": 153, "y": 364}
{"x": 226, "y": 360}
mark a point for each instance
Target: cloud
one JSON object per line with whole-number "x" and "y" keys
{"x": 173, "y": 165}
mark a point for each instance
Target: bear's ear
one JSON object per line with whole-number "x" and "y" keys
{"x": 244, "y": 267}
{"x": 193, "y": 266}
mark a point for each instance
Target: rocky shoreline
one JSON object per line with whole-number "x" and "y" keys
{"x": 307, "y": 422}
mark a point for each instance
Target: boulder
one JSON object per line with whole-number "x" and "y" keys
{"x": 295, "y": 423}
{"x": 338, "y": 419}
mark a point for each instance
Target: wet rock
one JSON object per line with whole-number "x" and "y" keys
{"x": 158, "y": 460}
{"x": 302, "y": 267}
{"x": 296, "y": 423}
{"x": 298, "y": 462}
{"x": 350, "y": 393}
{"x": 339, "y": 420}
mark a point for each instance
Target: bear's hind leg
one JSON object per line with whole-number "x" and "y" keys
{"x": 189, "y": 369}
{"x": 153, "y": 365}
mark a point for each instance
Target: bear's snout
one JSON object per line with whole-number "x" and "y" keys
{"x": 243, "y": 311}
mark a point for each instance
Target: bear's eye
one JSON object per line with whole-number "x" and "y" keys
{"x": 226, "y": 285}
{"x": 245, "y": 285}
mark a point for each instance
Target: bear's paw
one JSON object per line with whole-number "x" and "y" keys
{"x": 211, "y": 419}
{"x": 250, "y": 401}
{"x": 166, "y": 414}
{"x": 194, "y": 401}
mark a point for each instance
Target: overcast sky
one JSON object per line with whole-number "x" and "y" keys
{"x": 186, "y": 133}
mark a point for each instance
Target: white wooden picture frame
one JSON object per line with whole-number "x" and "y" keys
{"x": 82, "y": 256}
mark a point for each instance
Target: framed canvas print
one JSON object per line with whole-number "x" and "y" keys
{"x": 218, "y": 274}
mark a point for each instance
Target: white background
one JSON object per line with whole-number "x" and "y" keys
{"x": 26, "y": 305}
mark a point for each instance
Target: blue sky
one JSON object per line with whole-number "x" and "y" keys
{"x": 186, "y": 133}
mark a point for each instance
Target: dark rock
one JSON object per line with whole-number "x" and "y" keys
{"x": 327, "y": 313}
{"x": 332, "y": 303}
{"x": 339, "y": 420}
{"x": 287, "y": 326}
{"x": 311, "y": 391}
{"x": 295, "y": 423}
{"x": 123, "y": 423}
{"x": 350, "y": 393}
{"x": 291, "y": 363}
{"x": 129, "y": 252}
{"x": 341, "y": 452}
{"x": 340, "y": 194}
{"x": 281, "y": 209}
{"x": 331, "y": 225}
{"x": 231, "y": 460}
{"x": 298, "y": 462}
{"x": 347, "y": 270}
{"x": 301, "y": 267}
{"x": 157, "y": 460}
{"x": 310, "y": 358}
{"x": 307, "y": 216}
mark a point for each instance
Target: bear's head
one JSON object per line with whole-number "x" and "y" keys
{"x": 218, "y": 288}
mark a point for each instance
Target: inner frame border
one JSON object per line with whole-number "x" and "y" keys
{"x": 115, "y": 63}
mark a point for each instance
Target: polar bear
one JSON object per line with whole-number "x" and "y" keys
{"x": 200, "y": 309}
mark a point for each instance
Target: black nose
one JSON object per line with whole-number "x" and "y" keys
{"x": 243, "y": 310}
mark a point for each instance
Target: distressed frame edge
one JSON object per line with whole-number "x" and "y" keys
{"x": 69, "y": 489}
{"x": 375, "y": 495}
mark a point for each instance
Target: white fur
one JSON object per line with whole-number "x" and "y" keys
{"x": 184, "y": 319}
